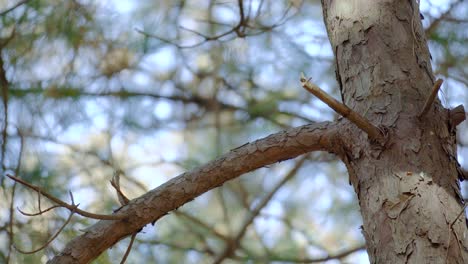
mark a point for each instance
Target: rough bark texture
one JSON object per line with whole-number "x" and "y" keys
{"x": 408, "y": 189}
{"x": 155, "y": 204}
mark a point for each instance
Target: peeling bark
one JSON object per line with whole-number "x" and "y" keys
{"x": 408, "y": 189}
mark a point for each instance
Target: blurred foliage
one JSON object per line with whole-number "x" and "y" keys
{"x": 155, "y": 88}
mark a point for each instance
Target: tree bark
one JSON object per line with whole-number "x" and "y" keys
{"x": 158, "y": 202}
{"x": 408, "y": 188}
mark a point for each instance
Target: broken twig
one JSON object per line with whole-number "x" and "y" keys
{"x": 372, "y": 131}
{"x": 430, "y": 99}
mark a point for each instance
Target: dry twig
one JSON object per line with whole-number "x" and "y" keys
{"x": 432, "y": 96}
{"x": 61, "y": 203}
{"x": 374, "y": 132}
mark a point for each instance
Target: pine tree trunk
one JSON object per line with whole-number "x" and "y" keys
{"x": 408, "y": 187}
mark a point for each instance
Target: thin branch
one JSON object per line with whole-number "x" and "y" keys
{"x": 372, "y": 131}
{"x": 12, "y": 202}
{"x": 115, "y": 182}
{"x": 239, "y": 29}
{"x": 205, "y": 38}
{"x": 40, "y": 212}
{"x": 200, "y": 223}
{"x": 432, "y": 96}
{"x": 158, "y": 202}
{"x": 340, "y": 255}
{"x": 259, "y": 9}
{"x": 206, "y": 228}
{"x": 241, "y": 11}
{"x": 129, "y": 248}
{"x": 204, "y": 103}
{"x": 70, "y": 207}
{"x": 444, "y": 16}
{"x": 233, "y": 244}
{"x": 124, "y": 94}
{"x": 52, "y": 238}
{"x": 8, "y": 10}
{"x": 205, "y": 251}
{"x": 4, "y": 90}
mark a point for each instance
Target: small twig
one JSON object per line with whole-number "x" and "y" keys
{"x": 55, "y": 235}
{"x": 432, "y": 96}
{"x": 445, "y": 16}
{"x": 235, "y": 241}
{"x": 6, "y": 11}
{"x": 40, "y": 211}
{"x": 66, "y": 205}
{"x": 129, "y": 248}
{"x": 241, "y": 10}
{"x": 10, "y": 231}
{"x": 329, "y": 257}
{"x": 372, "y": 131}
{"x": 115, "y": 182}
{"x": 237, "y": 30}
{"x": 38, "y": 200}
{"x": 4, "y": 86}
{"x": 206, "y": 227}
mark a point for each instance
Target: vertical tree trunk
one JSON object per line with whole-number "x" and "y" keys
{"x": 407, "y": 188}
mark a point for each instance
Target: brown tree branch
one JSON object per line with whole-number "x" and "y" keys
{"x": 40, "y": 212}
{"x": 432, "y": 96}
{"x": 129, "y": 248}
{"x": 235, "y": 31}
{"x": 204, "y": 103}
{"x": 10, "y": 231}
{"x": 206, "y": 227}
{"x": 339, "y": 255}
{"x": 372, "y": 131}
{"x": 8, "y": 10}
{"x": 158, "y": 202}
{"x": 4, "y": 86}
{"x": 235, "y": 241}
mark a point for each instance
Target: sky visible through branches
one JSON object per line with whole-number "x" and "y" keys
{"x": 142, "y": 95}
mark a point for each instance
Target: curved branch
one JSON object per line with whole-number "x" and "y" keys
{"x": 233, "y": 243}
{"x": 8, "y": 10}
{"x": 70, "y": 207}
{"x": 158, "y": 202}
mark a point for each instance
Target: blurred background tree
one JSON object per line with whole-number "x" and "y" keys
{"x": 156, "y": 88}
